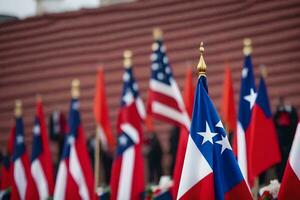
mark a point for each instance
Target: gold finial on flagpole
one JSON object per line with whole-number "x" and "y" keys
{"x": 157, "y": 33}
{"x": 201, "y": 67}
{"x": 263, "y": 71}
{"x": 127, "y": 58}
{"x": 18, "y": 108}
{"x": 75, "y": 90}
{"x": 247, "y": 46}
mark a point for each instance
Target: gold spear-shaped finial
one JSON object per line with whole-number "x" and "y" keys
{"x": 247, "y": 46}
{"x": 263, "y": 71}
{"x": 127, "y": 59}
{"x": 18, "y": 108}
{"x": 201, "y": 67}
{"x": 157, "y": 33}
{"x": 75, "y": 90}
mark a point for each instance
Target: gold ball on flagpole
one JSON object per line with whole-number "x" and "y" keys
{"x": 127, "y": 58}
{"x": 18, "y": 108}
{"x": 157, "y": 33}
{"x": 75, "y": 88}
{"x": 201, "y": 67}
{"x": 263, "y": 71}
{"x": 247, "y": 46}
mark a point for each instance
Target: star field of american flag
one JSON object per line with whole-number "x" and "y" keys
{"x": 161, "y": 69}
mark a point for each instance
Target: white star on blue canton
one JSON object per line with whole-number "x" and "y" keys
{"x": 154, "y": 57}
{"x": 128, "y": 98}
{"x": 75, "y": 105}
{"x": 245, "y": 72}
{"x": 123, "y": 140}
{"x": 20, "y": 139}
{"x": 251, "y": 97}
{"x": 71, "y": 140}
{"x": 224, "y": 143}
{"x": 155, "y": 66}
{"x": 126, "y": 77}
{"x": 220, "y": 125}
{"x": 160, "y": 76}
{"x": 36, "y": 130}
{"x": 207, "y": 135}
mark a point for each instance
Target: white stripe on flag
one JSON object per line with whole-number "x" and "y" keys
{"x": 76, "y": 173}
{"x": 131, "y": 132}
{"x": 171, "y": 113}
{"x": 241, "y": 150}
{"x": 195, "y": 168}
{"x": 40, "y": 179}
{"x": 162, "y": 88}
{"x": 61, "y": 181}
{"x": 20, "y": 178}
{"x": 140, "y": 107}
{"x": 295, "y": 153}
{"x": 126, "y": 173}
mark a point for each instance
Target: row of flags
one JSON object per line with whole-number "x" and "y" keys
{"x": 206, "y": 167}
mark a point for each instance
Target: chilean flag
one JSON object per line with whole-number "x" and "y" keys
{"x": 41, "y": 162}
{"x": 210, "y": 170}
{"x": 263, "y": 142}
{"x": 247, "y": 100}
{"x": 127, "y": 180}
{"x": 20, "y": 167}
{"x": 290, "y": 186}
{"x": 75, "y": 176}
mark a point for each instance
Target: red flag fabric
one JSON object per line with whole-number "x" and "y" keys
{"x": 127, "y": 180}
{"x": 41, "y": 162}
{"x": 6, "y": 163}
{"x": 101, "y": 113}
{"x": 290, "y": 185}
{"x": 228, "y": 111}
{"x": 184, "y": 132}
{"x": 263, "y": 150}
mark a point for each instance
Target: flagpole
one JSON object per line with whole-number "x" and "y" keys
{"x": 97, "y": 158}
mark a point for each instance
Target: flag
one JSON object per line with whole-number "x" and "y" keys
{"x": 101, "y": 113}
{"x": 228, "y": 111}
{"x": 6, "y": 168}
{"x": 247, "y": 100}
{"x": 290, "y": 185}
{"x": 165, "y": 101}
{"x": 210, "y": 170}
{"x": 262, "y": 136}
{"x": 41, "y": 161}
{"x": 75, "y": 176}
{"x": 127, "y": 180}
{"x": 20, "y": 166}
{"x": 183, "y": 137}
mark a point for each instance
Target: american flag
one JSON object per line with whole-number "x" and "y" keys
{"x": 127, "y": 181}
{"x": 165, "y": 101}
